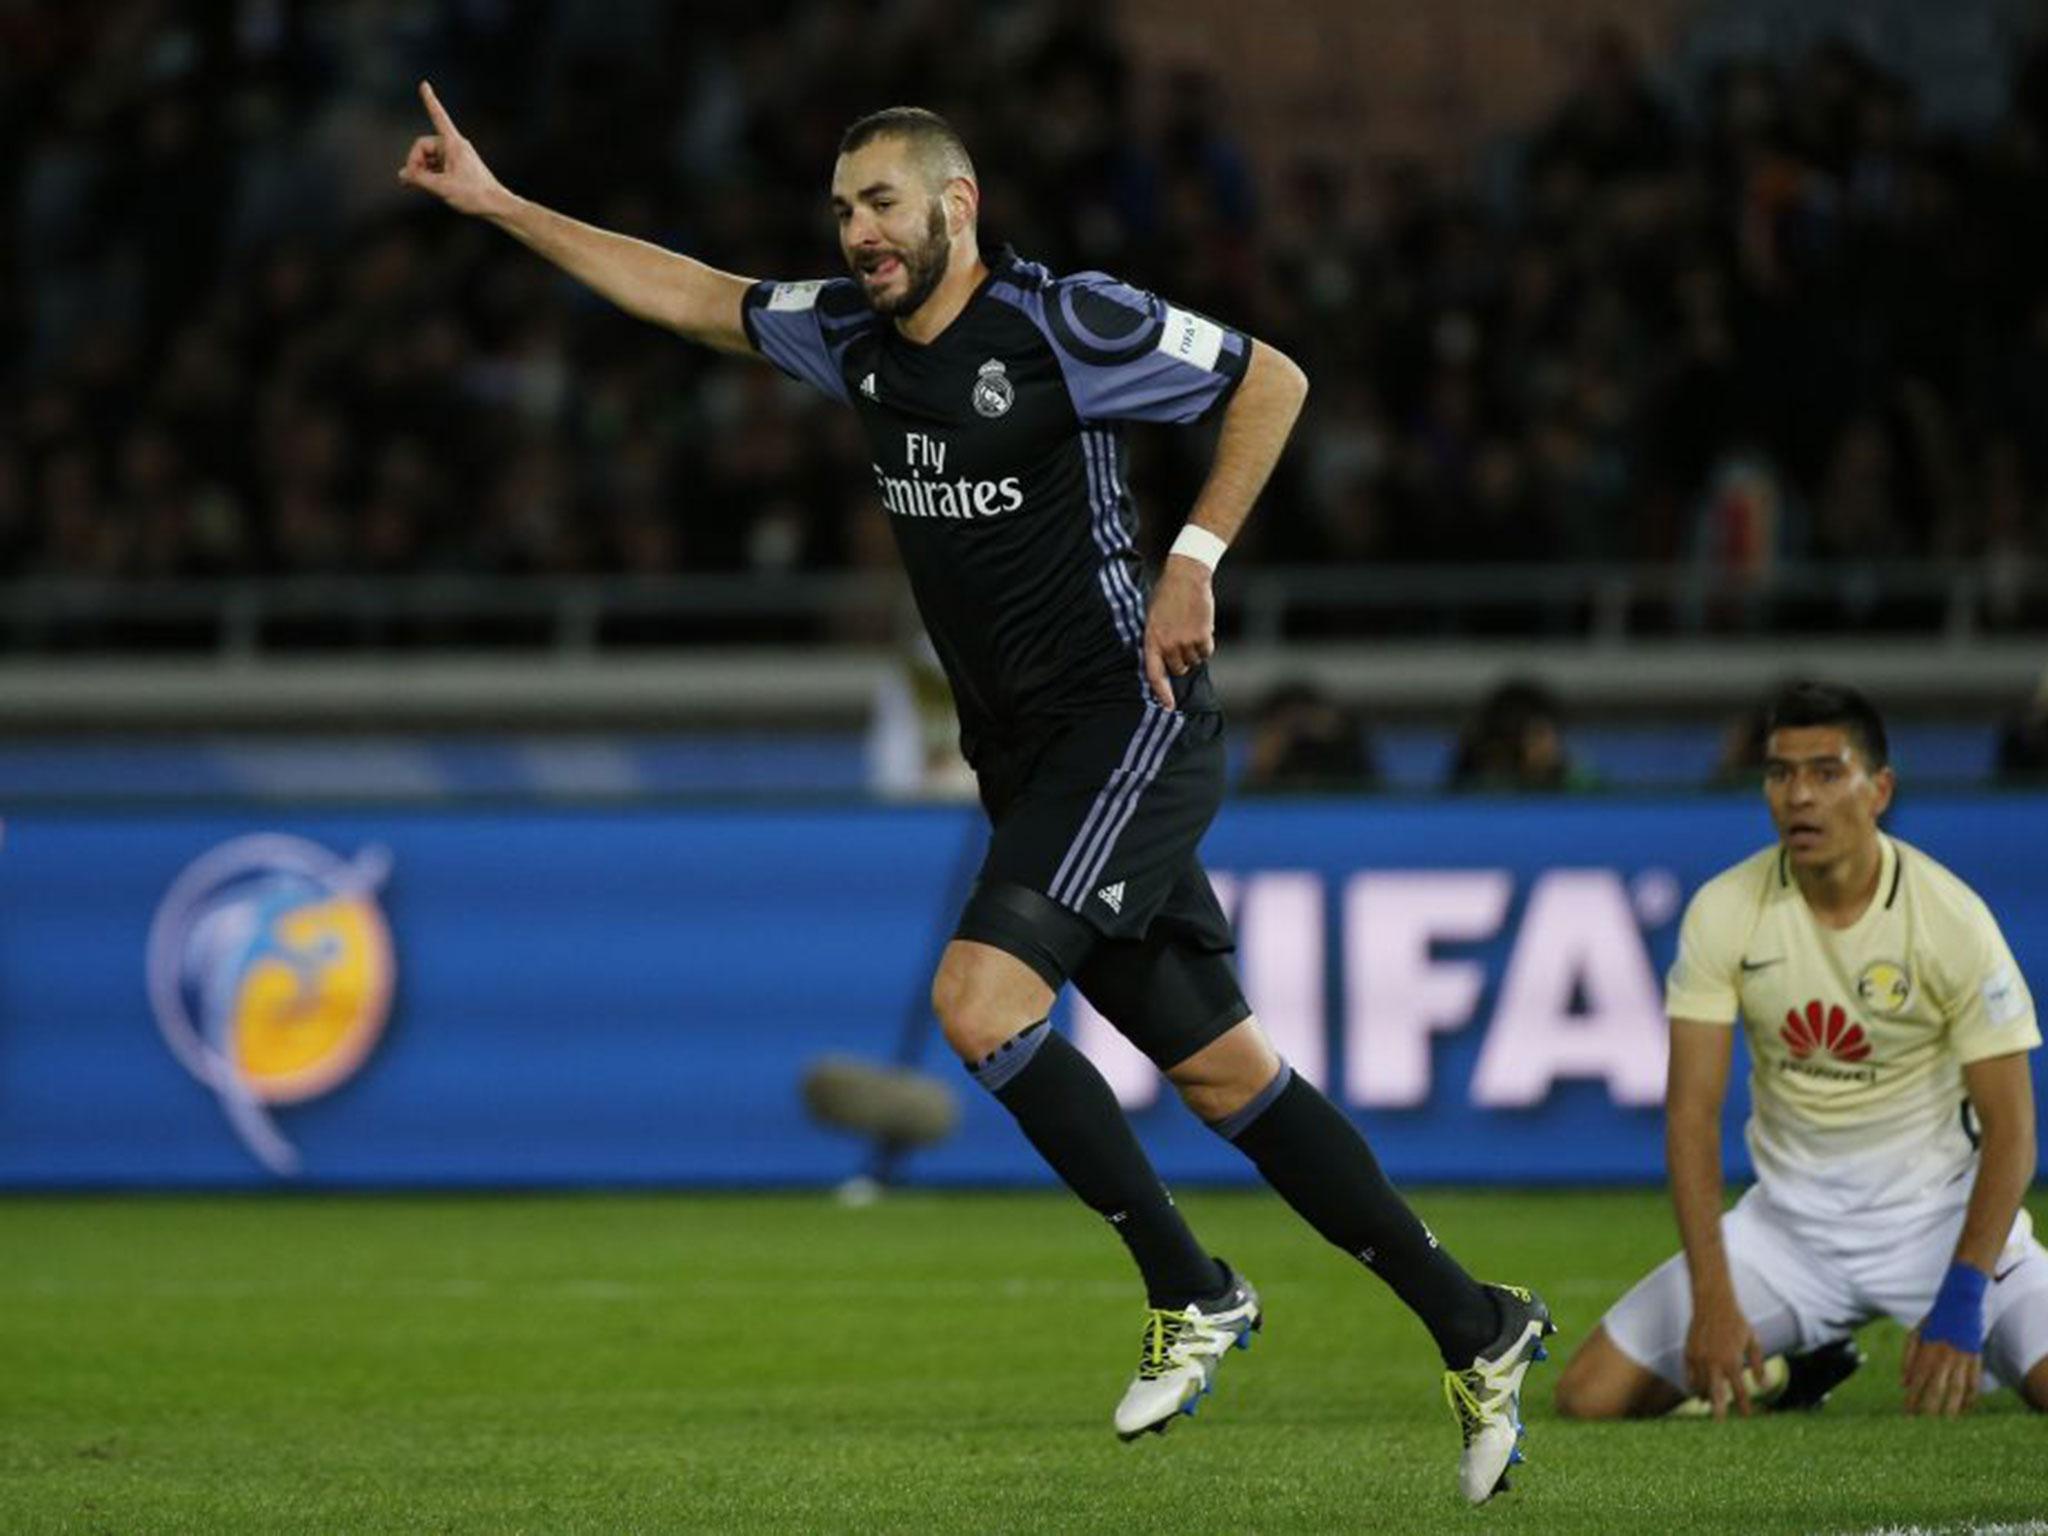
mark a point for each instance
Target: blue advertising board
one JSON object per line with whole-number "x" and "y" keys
{"x": 533, "y": 995}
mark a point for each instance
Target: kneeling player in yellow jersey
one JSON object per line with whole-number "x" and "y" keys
{"x": 1892, "y": 1126}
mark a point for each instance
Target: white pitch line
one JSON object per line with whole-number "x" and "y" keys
{"x": 2003, "y": 1528}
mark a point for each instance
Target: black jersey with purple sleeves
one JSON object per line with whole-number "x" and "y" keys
{"x": 998, "y": 451}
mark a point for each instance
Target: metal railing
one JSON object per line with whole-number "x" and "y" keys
{"x": 1955, "y": 604}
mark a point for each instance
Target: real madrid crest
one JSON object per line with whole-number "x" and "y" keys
{"x": 1885, "y": 987}
{"x": 993, "y": 392}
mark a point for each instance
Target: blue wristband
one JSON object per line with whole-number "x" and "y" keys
{"x": 1957, "y": 1316}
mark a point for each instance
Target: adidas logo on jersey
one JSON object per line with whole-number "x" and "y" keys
{"x": 867, "y": 386}
{"x": 1112, "y": 897}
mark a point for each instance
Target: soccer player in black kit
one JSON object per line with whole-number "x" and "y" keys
{"x": 992, "y": 394}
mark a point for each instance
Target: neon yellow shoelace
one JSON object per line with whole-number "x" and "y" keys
{"x": 1464, "y": 1402}
{"x": 1163, "y": 1330}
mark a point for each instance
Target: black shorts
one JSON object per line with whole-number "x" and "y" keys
{"x": 1091, "y": 873}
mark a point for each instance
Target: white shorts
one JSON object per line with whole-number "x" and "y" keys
{"x": 1803, "y": 1283}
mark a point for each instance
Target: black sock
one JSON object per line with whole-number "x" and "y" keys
{"x": 1320, "y": 1164}
{"x": 1069, "y": 1114}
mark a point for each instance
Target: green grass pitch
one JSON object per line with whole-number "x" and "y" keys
{"x": 934, "y": 1363}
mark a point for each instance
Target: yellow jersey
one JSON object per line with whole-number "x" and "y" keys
{"x": 1857, "y": 1036}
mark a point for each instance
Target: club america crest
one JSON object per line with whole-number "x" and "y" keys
{"x": 993, "y": 391}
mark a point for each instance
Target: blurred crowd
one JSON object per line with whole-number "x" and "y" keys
{"x": 1306, "y": 741}
{"x": 1769, "y": 318}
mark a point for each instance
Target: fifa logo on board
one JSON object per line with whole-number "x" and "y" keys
{"x": 270, "y": 974}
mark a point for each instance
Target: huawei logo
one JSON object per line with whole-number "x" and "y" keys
{"x": 1822, "y": 1028}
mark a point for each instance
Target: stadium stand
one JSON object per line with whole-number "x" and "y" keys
{"x": 1721, "y": 323}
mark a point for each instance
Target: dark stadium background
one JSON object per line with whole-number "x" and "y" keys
{"x": 464, "y": 757}
{"x": 1660, "y": 352}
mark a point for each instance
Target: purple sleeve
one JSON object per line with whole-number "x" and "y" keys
{"x": 1129, "y": 355}
{"x": 803, "y": 329}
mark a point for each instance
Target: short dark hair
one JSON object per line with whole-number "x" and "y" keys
{"x": 1807, "y": 702}
{"x": 1517, "y": 701}
{"x": 941, "y": 152}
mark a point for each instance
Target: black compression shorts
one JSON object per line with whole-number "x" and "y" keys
{"x": 1091, "y": 873}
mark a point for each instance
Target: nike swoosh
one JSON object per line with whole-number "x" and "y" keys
{"x": 1758, "y": 965}
{"x": 2006, "y": 1271}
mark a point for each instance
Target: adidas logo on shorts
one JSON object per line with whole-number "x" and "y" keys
{"x": 1112, "y": 896}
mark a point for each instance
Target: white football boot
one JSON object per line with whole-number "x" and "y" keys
{"x": 1486, "y": 1396}
{"x": 1180, "y": 1353}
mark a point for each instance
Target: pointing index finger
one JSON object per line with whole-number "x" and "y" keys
{"x": 444, "y": 124}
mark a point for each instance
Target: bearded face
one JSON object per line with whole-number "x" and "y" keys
{"x": 894, "y": 206}
{"x": 898, "y": 276}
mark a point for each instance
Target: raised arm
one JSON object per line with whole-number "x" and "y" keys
{"x": 652, "y": 284}
{"x": 1180, "y": 633}
{"x": 1720, "y": 1341}
{"x": 1943, "y": 1361}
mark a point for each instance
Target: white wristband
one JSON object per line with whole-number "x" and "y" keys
{"x": 1198, "y": 543}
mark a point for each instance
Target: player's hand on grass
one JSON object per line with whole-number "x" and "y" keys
{"x": 1719, "y": 1346}
{"x": 1941, "y": 1381}
{"x": 446, "y": 164}
{"x": 1181, "y": 633}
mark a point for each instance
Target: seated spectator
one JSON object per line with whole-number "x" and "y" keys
{"x": 1741, "y": 763}
{"x": 1515, "y": 742}
{"x": 2023, "y": 741}
{"x": 1305, "y": 742}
